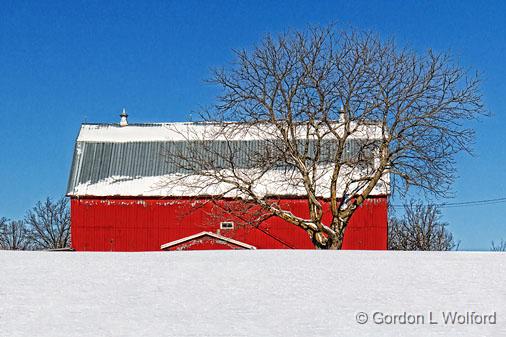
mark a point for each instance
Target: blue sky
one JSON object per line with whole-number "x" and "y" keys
{"x": 63, "y": 63}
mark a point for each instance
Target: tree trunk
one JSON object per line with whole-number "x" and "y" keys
{"x": 336, "y": 244}
{"x": 327, "y": 243}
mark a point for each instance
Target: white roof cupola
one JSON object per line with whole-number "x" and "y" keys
{"x": 124, "y": 116}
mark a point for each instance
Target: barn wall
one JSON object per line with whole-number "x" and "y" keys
{"x": 144, "y": 224}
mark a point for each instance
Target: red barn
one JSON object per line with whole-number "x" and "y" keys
{"x": 119, "y": 201}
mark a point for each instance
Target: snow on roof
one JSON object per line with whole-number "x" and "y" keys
{"x": 248, "y": 293}
{"x": 174, "y": 185}
{"x": 140, "y": 132}
{"x": 202, "y": 234}
{"x": 181, "y": 131}
{"x": 110, "y": 160}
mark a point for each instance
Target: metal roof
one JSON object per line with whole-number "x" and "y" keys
{"x": 94, "y": 161}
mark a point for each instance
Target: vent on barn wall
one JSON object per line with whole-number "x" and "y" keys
{"x": 124, "y": 116}
{"x": 226, "y": 225}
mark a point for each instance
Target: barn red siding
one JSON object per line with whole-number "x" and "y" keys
{"x": 112, "y": 224}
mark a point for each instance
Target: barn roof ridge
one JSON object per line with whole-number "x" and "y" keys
{"x": 160, "y": 123}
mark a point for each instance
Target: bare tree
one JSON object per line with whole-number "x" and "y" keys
{"x": 49, "y": 224}
{"x": 337, "y": 114}
{"x": 420, "y": 229}
{"x": 3, "y": 222}
{"x": 499, "y": 247}
{"x": 13, "y": 235}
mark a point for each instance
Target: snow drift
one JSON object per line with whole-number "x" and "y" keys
{"x": 249, "y": 293}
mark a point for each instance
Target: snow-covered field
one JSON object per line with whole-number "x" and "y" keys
{"x": 250, "y": 293}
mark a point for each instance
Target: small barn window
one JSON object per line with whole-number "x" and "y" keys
{"x": 227, "y": 225}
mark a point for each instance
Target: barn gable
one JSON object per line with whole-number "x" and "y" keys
{"x": 205, "y": 240}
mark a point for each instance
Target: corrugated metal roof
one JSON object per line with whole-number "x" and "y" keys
{"x": 95, "y": 161}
